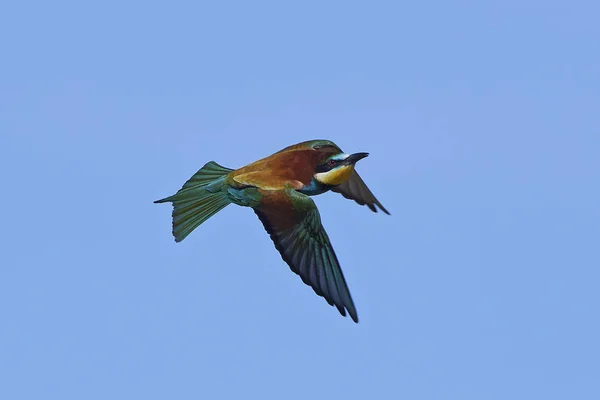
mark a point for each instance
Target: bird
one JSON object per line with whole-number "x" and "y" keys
{"x": 279, "y": 189}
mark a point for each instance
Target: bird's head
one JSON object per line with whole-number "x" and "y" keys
{"x": 336, "y": 169}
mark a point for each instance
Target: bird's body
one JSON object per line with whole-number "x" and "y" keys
{"x": 277, "y": 188}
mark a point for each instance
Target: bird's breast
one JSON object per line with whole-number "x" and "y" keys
{"x": 314, "y": 188}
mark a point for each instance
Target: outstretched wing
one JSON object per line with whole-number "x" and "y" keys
{"x": 356, "y": 189}
{"x": 294, "y": 223}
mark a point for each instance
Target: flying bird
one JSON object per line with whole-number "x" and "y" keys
{"x": 278, "y": 189}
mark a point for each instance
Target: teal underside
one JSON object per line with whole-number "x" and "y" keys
{"x": 314, "y": 188}
{"x": 246, "y": 197}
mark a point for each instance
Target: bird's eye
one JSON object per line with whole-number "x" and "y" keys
{"x": 331, "y": 163}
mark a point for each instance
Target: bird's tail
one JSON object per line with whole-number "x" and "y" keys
{"x": 199, "y": 199}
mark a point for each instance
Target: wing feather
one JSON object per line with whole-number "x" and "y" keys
{"x": 294, "y": 224}
{"x": 356, "y": 189}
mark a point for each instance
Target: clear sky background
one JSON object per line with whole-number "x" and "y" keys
{"x": 483, "y": 124}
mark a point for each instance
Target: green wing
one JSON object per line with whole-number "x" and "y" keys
{"x": 356, "y": 189}
{"x": 294, "y": 223}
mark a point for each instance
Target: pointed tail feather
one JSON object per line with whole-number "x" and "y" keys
{"x": 199, "y": 199}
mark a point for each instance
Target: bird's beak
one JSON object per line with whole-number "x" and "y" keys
{"x": 353, "y": 158}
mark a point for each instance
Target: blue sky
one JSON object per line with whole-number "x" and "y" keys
{"x": 483, "y": 127}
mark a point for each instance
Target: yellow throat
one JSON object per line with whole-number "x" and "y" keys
{"x": 336, "y": 176}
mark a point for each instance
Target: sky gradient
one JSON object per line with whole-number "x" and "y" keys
{"x": 483, "y": 126}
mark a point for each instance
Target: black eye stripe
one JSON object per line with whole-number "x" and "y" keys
{"x": 322, "y": 168}
{"x": 328, "y": 165}
{"x": 325, "y": 167}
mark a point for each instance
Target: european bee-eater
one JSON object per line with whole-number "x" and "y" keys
{"x": 277, "y": 188}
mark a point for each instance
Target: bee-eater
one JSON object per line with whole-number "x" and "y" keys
{"x": 277, "y": 188}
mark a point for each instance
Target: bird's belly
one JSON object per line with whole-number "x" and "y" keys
{"x": 314, "y": 188}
